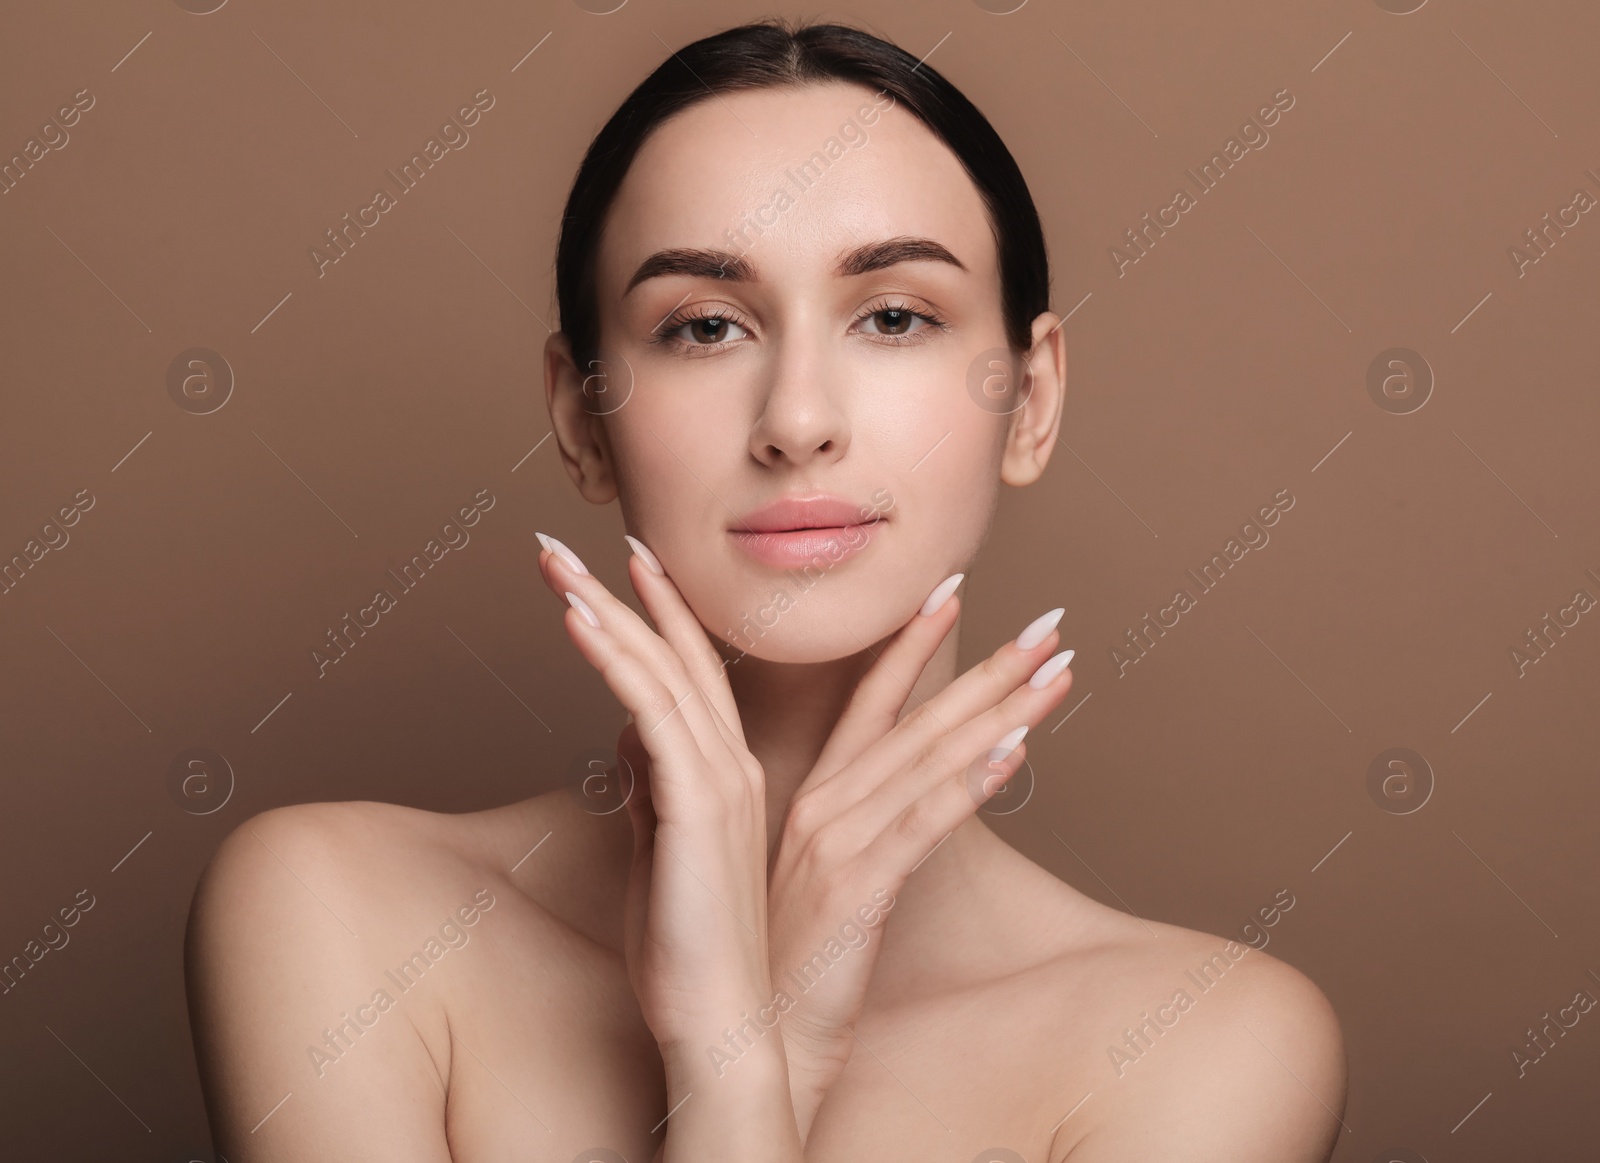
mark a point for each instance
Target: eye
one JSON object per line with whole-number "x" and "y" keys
{"x": 706, "y": 328}
{"x": 900, "y": 323}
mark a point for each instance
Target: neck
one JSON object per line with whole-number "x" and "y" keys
{"x": 788, "y": 710}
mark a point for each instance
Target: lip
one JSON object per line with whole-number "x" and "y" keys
{"x": 796, "y": 531}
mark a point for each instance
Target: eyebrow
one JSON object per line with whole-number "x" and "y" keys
{"x": 704, "y": 263}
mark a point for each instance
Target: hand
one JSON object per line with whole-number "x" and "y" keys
{"x": 696, "y": 908}
{"x": 880, "y": 798}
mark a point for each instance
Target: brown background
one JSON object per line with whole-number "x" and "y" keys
{"x": 1224, "y": 366}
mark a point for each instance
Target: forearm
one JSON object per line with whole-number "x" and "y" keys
{"x": 730, "y": 1109}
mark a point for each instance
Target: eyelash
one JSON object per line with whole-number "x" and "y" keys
{"x": 664, "y": 335}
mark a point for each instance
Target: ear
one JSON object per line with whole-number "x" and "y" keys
{"x": 579, "y": 430}
{"x": 1032, "y": 435}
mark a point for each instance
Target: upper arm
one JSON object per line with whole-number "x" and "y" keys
{"x": 1258, "y": 1076}
{"x": 281, "y": 986}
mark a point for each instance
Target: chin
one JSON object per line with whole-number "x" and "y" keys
{"x": 834, "y": 616}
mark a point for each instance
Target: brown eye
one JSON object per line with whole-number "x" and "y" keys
{"x": 897, "y": 321}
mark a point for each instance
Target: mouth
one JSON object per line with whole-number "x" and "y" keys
{"x": 797, "y": 531}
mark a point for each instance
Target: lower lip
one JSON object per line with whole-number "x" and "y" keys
{"x": 798, "y": 547}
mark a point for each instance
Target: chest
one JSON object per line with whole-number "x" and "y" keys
{"x": 550, "y": 1059}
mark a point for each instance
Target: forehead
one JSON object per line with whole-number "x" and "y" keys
{"x": 797, "y": 175}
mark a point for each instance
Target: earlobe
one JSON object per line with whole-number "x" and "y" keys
{"x": 580, "y": 433}
{"x": 1031, "y": 438}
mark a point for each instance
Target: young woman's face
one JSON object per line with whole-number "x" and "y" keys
{"x": 832, "y": 360}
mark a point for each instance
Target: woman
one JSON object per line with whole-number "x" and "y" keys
{"x": 797, "y": 273}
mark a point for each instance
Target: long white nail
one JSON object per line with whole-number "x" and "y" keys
{"x": 1039, "y": 629}
{"x": 645, "y": 555}
{"x": 582, "y": 607}
{"x": 562, "y": 552}
{"x": 1009, "y": 741}
{"x": 1048, "y": 669}
{"x": 941, "y": 593}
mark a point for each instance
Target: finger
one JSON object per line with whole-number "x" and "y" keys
{"x": 882, "y": 692}
{"x": 961, "y": 754}
{"x": 674, "y": 748}
{"x": 978, "y": 690}
{"x": 922, "y": 825}
{"x": 677, "y": 624}
{"x": 565, "y": 573}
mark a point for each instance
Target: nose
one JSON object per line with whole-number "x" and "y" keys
{"x": 800, "y": 420}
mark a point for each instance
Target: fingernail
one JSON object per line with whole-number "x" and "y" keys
{"x": 1048, "y": 669}
{"x": 562, "y": 552}
{"x": 645, "y": 555}
{"x": 582, "y": 607}
{"x": 1039, "y": 629}
{"x": 941, "y": 593}
{"x": 1009, "y": 741}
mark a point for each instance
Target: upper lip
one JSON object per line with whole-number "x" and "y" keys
{"x": 819, "y": 512}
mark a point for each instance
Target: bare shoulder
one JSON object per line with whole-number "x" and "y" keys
{"x": 293, "y": 923}
{"x": 1211, "y": 1049}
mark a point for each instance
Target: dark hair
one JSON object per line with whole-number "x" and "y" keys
{"x": 771, "y": 53}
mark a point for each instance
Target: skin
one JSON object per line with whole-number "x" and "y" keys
{"x": 805, "y": 784}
